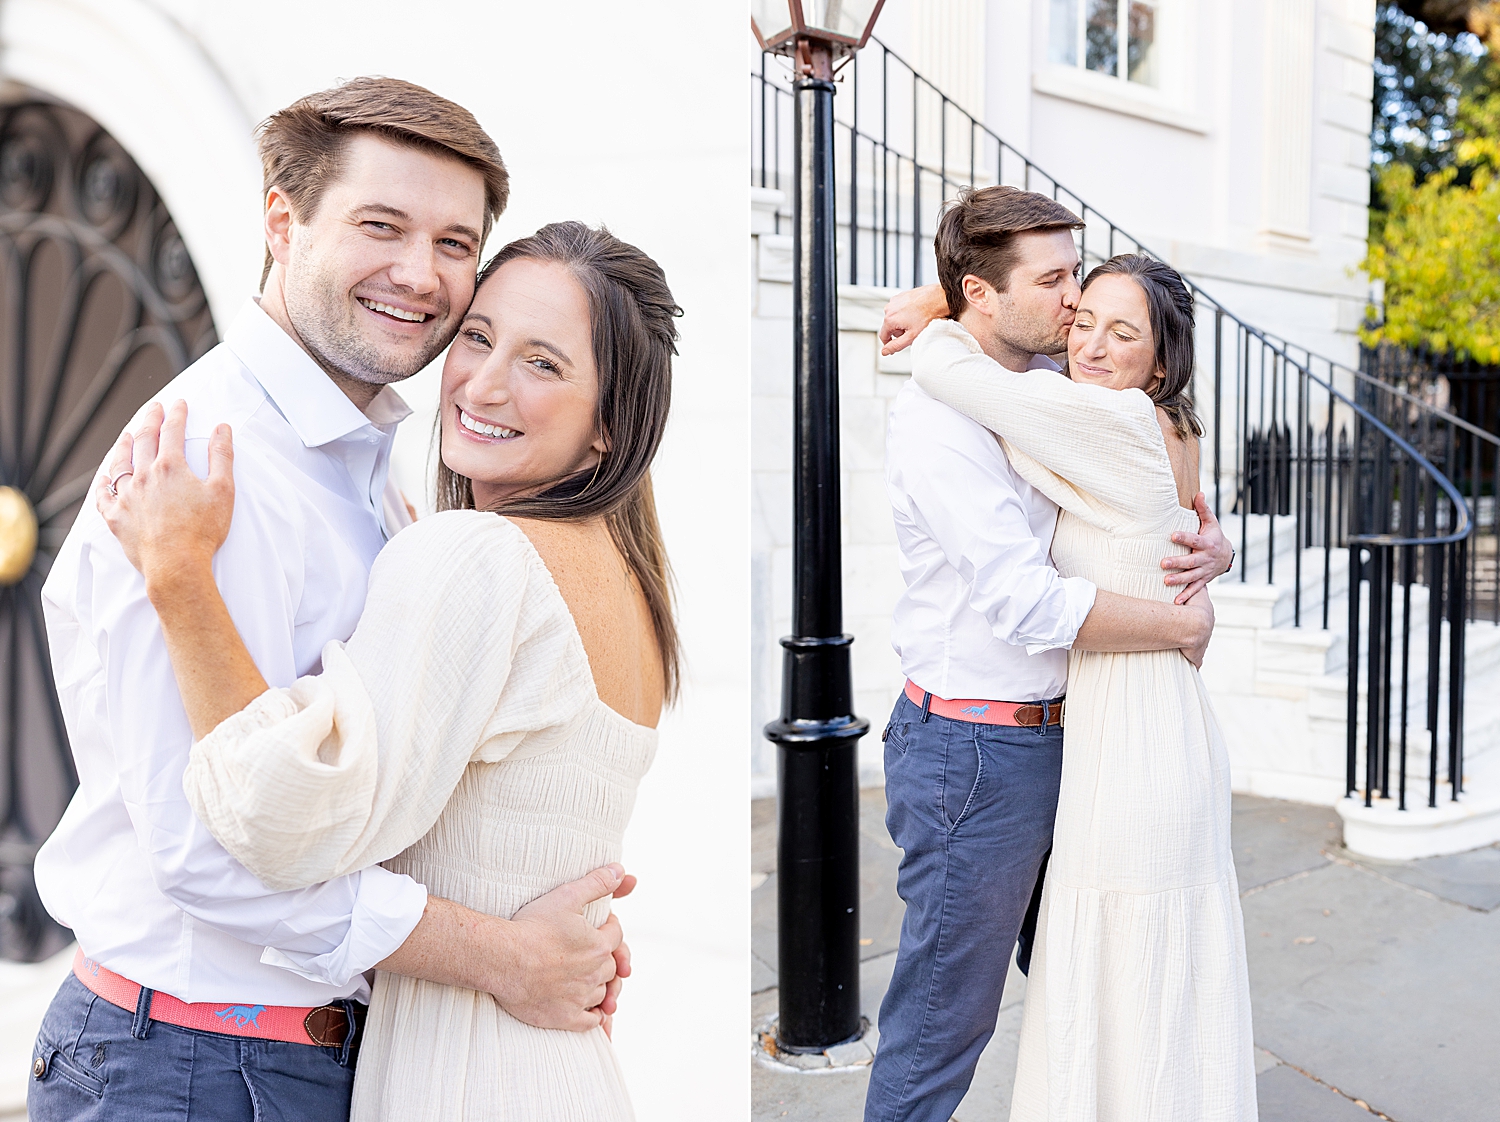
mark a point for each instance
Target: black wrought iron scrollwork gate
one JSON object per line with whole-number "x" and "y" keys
{"x": 99, "y": 307}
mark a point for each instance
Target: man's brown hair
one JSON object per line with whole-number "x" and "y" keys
{"x": 302, "y": 146}
{"x": 976, "y": 234}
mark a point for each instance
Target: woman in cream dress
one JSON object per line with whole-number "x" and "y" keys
{"x": 485, "y": 727}
{"x": 1137, "y": 1004}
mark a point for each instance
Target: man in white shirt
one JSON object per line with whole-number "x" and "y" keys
{"x": 204, "y": 994}
{"x": 973, "y": 750}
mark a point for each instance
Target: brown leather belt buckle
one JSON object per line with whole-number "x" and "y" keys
{"x": 1031, "y": 716}
{"x": 327, "y": 1026}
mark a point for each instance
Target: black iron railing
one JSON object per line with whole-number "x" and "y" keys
{"x": 1411, "y": 389}
{"x": 1328, "y": 477}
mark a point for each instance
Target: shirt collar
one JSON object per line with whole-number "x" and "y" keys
{"x": 1043, "y": 362}
{"x": 318, "y": 411}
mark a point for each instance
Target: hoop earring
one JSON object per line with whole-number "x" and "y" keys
{"x": 597, "y": 465}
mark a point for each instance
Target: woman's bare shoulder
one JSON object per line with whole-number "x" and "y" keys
{"x": 567, "y": 547}
{"x": 1188, "y": 445}
{"x": 1183, "y": 453}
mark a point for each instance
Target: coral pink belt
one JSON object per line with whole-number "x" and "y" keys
{"x": 1025, "y": 715}
{"x": 325, "y": 1025}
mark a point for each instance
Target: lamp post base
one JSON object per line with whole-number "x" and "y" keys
{"x": 817, "y": 847}
{"x": 847, "y": 1055}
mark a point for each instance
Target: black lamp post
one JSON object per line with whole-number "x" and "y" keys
{"x": 817, "y": 735}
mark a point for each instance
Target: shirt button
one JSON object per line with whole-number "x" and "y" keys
{"x": 39, "y": 1067}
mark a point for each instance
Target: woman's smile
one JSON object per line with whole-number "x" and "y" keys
{"x": 482, "y": 428}
{"x": 1091, "y": 371}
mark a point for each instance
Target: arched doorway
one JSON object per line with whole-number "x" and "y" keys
{"x": 100, "y": 306}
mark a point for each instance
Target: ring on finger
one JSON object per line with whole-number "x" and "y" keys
{"x": 115, "y": 481}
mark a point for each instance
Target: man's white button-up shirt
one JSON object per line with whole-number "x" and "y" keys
{"x": 984, "y": 614}
{"x": 146, "y": 889}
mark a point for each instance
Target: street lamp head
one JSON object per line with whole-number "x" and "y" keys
{"x": 804, "y": 29}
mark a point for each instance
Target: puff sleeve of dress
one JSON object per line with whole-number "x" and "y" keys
{"x": 1097, "y": 453}
{"x": 461, "y": 654}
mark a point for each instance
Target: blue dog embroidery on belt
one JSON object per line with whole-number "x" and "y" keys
{"x": 977, "y": 710}
{"x": 241, "y": 1015}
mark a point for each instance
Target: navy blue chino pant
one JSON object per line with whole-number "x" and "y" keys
{"x": 971, "y": 807}
{"x": 96, "y": 1061}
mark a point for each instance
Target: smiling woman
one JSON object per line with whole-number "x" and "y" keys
{"x": 1134, "y": 330}
{"x": 565, "y": 359}
{"x": 519, "y": 413}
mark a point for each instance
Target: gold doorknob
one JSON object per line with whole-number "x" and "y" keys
{"x": 18, "y": 532}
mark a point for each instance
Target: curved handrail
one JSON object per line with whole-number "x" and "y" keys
{"x": 1279, "y": 346}
{"x": 1413, "y": 399}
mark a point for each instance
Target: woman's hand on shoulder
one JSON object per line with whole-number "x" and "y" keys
{"x": 1212, "y": 555}
{"x": 164, "y": 516}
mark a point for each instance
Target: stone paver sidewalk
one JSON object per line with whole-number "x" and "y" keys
{"x": 1376, "y": 987}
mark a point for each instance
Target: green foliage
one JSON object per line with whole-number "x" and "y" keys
{"x": 1421, "y": 80}
{"x": 1479, "y": 126}
{"x": 1435, "y": 237}
{"x": 1439, "y": 256}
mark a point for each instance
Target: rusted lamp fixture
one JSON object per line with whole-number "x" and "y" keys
{"x": 817, "y": 735}
{"x": 816, "y": 33}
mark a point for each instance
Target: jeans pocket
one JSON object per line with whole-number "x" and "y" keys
{"x": 963, "y": 774}
{"x": 59, "y": 1065}
{"x": 895, "y": 735}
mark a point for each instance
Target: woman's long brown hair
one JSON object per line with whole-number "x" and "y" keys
{"x": 631, "y": 309}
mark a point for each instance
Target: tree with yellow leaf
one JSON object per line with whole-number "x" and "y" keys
{"x": 1438, "y": 248}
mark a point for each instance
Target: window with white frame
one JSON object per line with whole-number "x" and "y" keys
{"x": 1112, "y": 37}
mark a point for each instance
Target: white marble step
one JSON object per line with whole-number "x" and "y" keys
{"x": 1481, "y": 673}
{"x": 1243, "y": 598}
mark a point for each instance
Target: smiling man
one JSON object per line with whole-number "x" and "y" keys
{"x": 205, "y": 994}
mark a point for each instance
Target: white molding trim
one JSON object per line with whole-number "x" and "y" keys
{"x": 1104, "y": 92}
{"x": 155, "y": 89}
{"x": 1286, "y": 168}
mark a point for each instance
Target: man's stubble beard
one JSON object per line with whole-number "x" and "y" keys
{"x": 338, "y": 346}
{"x": 1019, "y": 333}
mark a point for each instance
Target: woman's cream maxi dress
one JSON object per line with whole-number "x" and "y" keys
{"x": 457, "y": 737}
{"x": 1138, "y": 1004}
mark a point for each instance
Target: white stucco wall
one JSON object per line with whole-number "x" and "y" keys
{"x": 604, "y": 112}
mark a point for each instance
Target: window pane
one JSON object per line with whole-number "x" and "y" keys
{"x": 1102, "y": 36}
{"x": 1062, "y": 32}
{"x": 846, "y": 17}
{"x": 1142, "y": 46}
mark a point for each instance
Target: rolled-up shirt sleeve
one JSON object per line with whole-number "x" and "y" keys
{"x": 326, "y": 932}
{"x": 958, "y": 495}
